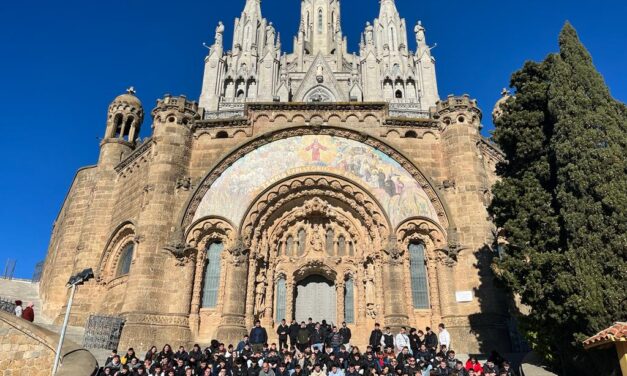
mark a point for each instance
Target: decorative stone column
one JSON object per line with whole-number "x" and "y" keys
{"x": 394, "y": 310}
{"x": 339, "y": 292}
{"x": 289, "y": 298}
{"x": 233, "y": 325}
{"x": 194, "y": 317}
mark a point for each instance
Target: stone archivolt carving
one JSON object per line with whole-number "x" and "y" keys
{"x": 108, "y": 264}
{"x": 207, "y": 230}
{"x": 354, "y": 199}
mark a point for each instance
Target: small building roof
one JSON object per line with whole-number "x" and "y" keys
{"x": 615, "y": 333}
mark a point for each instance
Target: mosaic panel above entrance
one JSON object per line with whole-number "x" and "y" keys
{"x": 396, "y": 190}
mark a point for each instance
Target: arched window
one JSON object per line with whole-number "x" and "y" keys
{"x": 212, "y": 275}
{"x": 349, "y": 301}
{"x": 289, "y": 246}
{"x": 351, "y": 249}
{"x": 118, "y": 125}
{"x": 341, "y": 246}
{"x": 399, "y": 94}
{"x": 222, "y": 134}
{"x": 126, "y": 257}
{"x": 320, "y": 21}
{"x": 281, "y": 296}
{"x": 329, "y": 242}
{"x": 419, "y": 289}
{"x": 302, "y": 238}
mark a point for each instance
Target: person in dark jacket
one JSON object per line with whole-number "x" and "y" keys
{"x": 293, "y": 333}
{"x": 346, "y": 334}
{"x": 303, "y": 338}
{"x": 336, "y": 340}
{"x": 318, "y": 338}
{"x": 387, "y": 340}
{"x": 375, "y": 338}
{"x": 258, "y": 337}
{"x": 283, "y": 331}
{"x": 431, "y": 340}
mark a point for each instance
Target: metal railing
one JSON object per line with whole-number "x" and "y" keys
{"x": 7, "y": 305}
{"x": 103, "y": 332}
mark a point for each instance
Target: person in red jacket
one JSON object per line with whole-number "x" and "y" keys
{"x": 473, "y": 364}
{"x": 29, "y": 313}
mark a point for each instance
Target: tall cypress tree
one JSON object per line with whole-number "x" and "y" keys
{"x": 562, "y": 200}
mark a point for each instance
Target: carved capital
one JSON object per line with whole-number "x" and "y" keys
{"x": 183, "y": 253}
{"x": 239, "y": 252}
{"x": 393, "y": 251}
{"x": 449, "y": 254}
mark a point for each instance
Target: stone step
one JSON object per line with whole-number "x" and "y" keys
{"x": 23, "y": 290}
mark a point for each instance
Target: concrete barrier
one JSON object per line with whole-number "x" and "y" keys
{"x": 28, "y": 350}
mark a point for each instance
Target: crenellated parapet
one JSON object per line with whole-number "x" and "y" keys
{"x": 458, "y": 110}
{"x": 178, "y": 110}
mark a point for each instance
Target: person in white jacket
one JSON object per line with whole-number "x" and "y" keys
{"x": 444, "y": 337}
{"x": 402, "y": 340}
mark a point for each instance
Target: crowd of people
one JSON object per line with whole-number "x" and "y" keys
{"x": 312, "y": 349}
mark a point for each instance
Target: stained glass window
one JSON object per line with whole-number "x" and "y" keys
{"x": 419, "y": 288}
{"x": 212, "y": 276}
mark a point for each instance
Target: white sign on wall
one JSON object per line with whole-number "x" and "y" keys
{"x": 463, "y": 296}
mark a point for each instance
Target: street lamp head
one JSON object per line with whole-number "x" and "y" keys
{"x": 81, "y": 277}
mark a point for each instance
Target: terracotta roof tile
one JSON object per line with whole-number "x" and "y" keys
{"x": 615, "y": 333}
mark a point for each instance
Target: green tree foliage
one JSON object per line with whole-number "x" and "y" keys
{"x": 562, "y": 201}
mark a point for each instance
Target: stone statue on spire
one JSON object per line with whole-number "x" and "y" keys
{"x": 219, "y": 34}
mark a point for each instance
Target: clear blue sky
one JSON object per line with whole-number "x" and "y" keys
{"x": 62, "y": 62}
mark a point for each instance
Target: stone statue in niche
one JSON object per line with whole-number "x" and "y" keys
{"x": 320, "y": 73}
{"x": 369, "y": 277}
{"x": 260, "y": 293}
{"x": 317, "y": 237}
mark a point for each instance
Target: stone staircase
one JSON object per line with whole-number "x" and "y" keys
{"x": 23, "y": 290}
{"x": 27, "y": 291}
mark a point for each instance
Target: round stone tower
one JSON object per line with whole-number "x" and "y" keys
{"x": 124, "y": 120}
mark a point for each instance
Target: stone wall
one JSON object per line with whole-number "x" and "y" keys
{"x": 28, "y": 350}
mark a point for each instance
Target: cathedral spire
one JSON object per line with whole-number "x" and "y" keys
{"x": 321, "y": 27}
{"x": 390, "y": 29}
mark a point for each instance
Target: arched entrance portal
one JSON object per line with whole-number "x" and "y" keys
{"x": 316, "y": 298}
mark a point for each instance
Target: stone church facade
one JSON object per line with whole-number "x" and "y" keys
{"x": 313, "y": 184}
